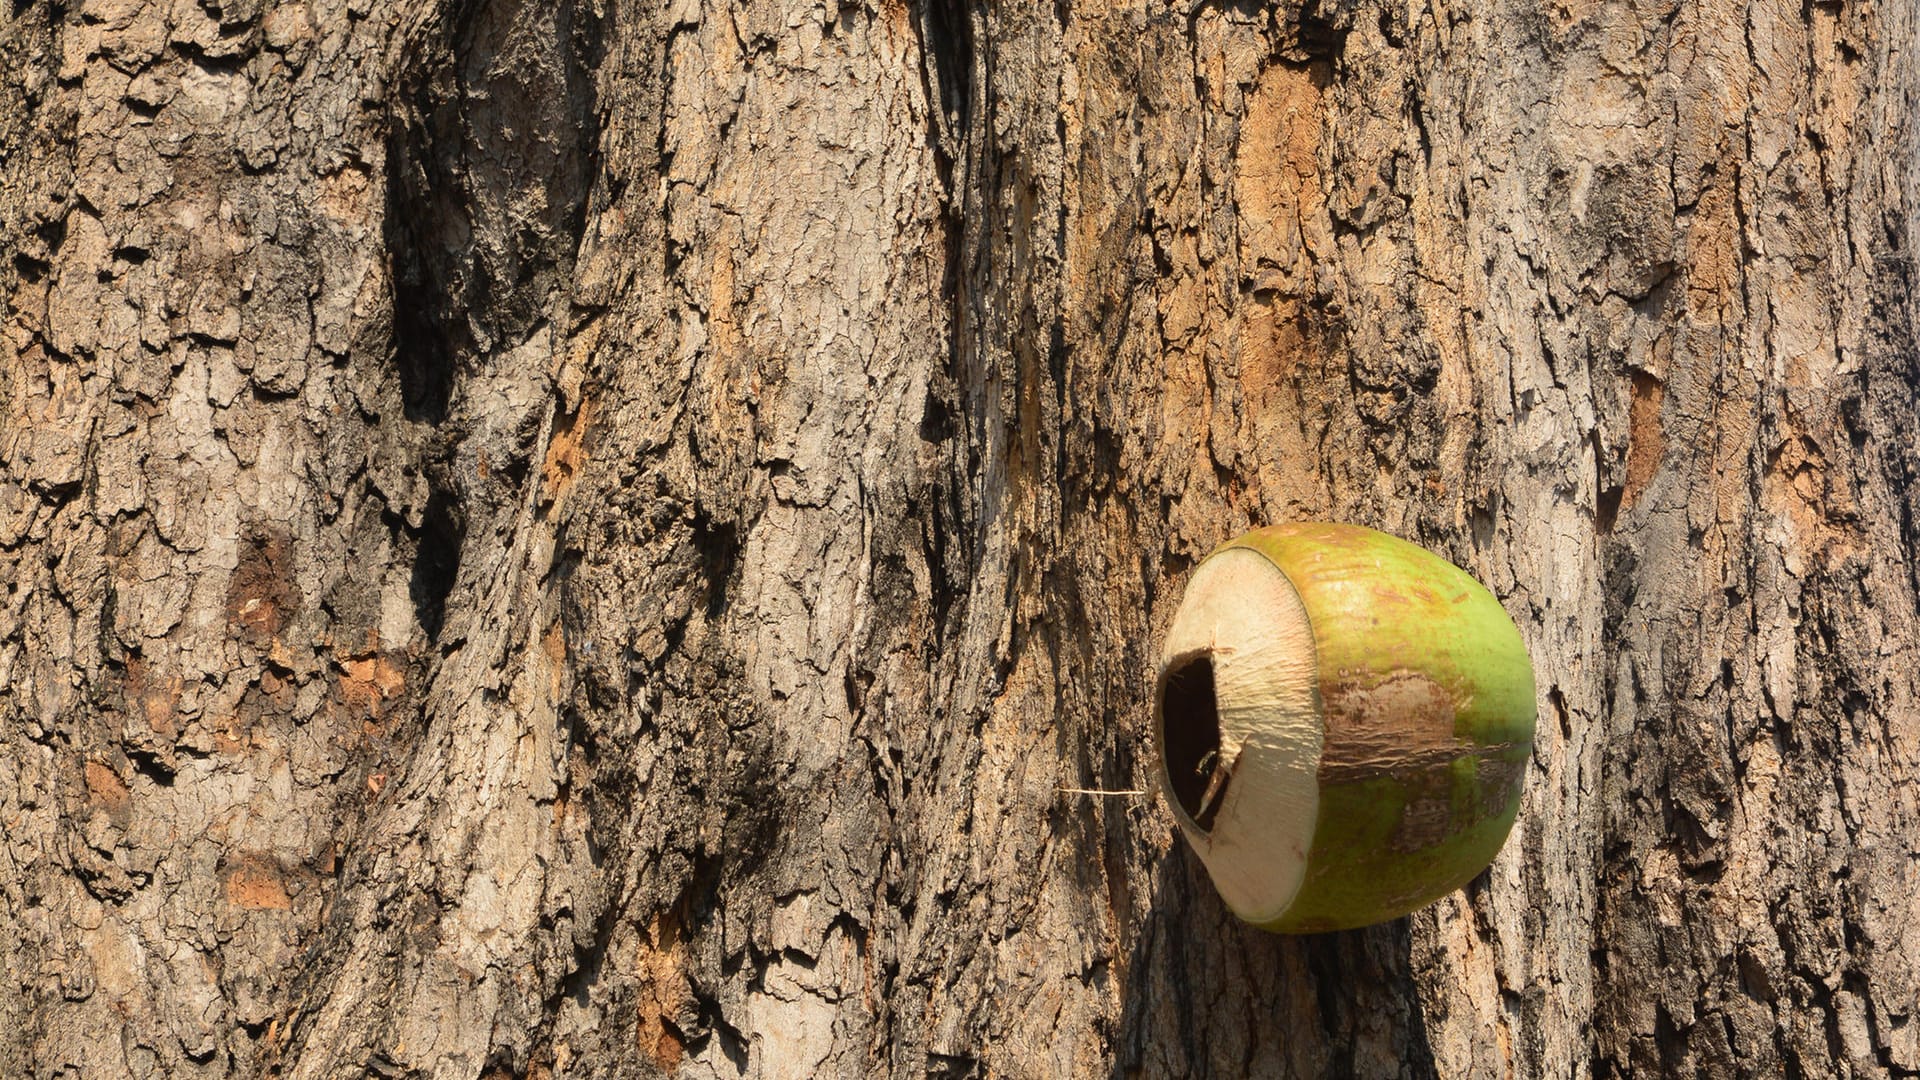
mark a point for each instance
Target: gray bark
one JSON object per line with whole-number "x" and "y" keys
{"x": 598, "y": 538}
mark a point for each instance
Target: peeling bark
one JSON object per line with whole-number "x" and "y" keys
{"x": 599, "y": 539}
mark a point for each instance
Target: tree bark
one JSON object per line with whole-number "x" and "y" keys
{"x": 606, "y": 539}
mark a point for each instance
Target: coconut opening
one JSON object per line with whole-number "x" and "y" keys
{"x": 1190, "y": 731}
{"x": 1238, "y": 698}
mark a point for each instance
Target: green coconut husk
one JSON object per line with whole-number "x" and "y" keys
{"x": 1343, "y": 720}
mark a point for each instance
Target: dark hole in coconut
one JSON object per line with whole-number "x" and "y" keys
{"x": 1190, "y": 734}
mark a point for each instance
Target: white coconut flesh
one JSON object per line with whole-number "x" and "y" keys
{"x": 1239, "y": 722}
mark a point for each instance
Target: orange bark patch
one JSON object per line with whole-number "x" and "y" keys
{"x": 896, "y": 19}
{"x": 554, "y": 644}
{"x": 158, "y": 699}
{"x": 256, "y": 886}
{"x": 1819, "y": 501}
{"x": 564, "y": 455}
{"x": 1714, "y": 247}
{"x": 346, "y": 196}
{"x": 1285, "y": 228}
{"x": 663, "y": 993}
{"x": 261, "y": 595}
{"x": 162, "y": 707}
{"x": 730, "y": 379}
{"x": 105, "y": 788}
{"x": 1284, "y": 213}
{"x": 1646, "y": 439}
{"x": 367, "y": 683}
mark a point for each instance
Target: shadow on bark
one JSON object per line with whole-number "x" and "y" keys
{"x": 492, "y": 154}
{"x": 1209, "y": 996}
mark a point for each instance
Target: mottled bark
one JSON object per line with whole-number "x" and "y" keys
{"x": 593, "y": 538}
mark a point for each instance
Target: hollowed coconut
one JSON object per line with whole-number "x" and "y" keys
{"x": 1343, "y": 721}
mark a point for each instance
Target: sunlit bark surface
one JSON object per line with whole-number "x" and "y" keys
{"x": 603, "y": 539}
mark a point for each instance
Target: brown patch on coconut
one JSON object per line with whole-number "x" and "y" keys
{"x": 1376, "y": 724}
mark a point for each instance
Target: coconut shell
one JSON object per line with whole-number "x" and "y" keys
{"x": 1425, "y": 710}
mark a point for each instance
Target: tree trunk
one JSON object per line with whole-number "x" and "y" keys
{"x": 603, "y": 539}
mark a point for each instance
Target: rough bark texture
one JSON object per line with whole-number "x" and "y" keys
{"x": 589, "y": 538}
